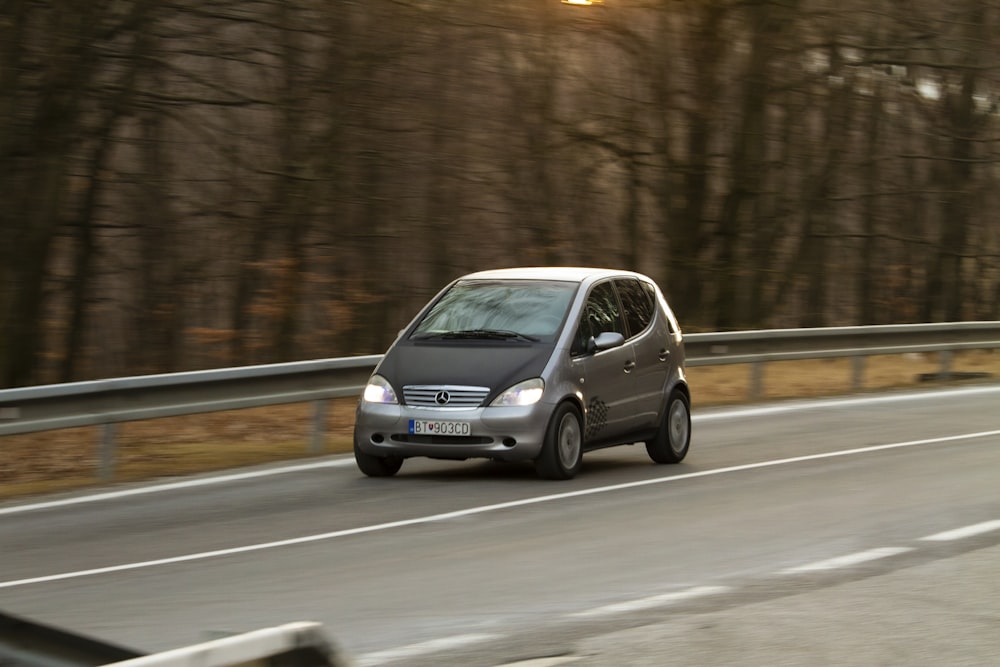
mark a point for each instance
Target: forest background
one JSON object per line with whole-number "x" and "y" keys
{"x": 190, "y": 185}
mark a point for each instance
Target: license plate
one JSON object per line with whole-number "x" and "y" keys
{"x": 428, "y": 427}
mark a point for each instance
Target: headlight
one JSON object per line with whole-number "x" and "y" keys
{"x": 378, "y": 390}
{"x": 528, "y": 392}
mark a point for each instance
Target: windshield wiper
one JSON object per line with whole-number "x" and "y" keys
{"x": 489, "y": 334}
{"x": 428, "y": 336}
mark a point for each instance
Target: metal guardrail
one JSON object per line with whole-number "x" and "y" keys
{"x": 757, "y": 348}
{"x": 749, "y": 347}
{"x": 109, "y": 402}
{"x": 47, "y": 407}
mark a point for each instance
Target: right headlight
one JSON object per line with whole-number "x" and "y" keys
{"x": 378, "y": 390}
{"x": 528, "y": 392}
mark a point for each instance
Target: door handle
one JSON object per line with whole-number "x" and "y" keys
{"x": 629, "y": 365}
{"x": 664, "y": 354}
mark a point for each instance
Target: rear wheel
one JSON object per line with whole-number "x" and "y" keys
{"x": 672, "y": 440}
{"x": 376, "y": 466}
{"x": 562, "y": 450}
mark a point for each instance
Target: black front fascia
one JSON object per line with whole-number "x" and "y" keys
{"x": 474, "y": 363}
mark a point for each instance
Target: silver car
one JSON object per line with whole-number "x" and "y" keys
{"x": 530, "y": 364}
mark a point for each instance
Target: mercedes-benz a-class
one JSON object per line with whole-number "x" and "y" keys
{"x": 530, "y": 364}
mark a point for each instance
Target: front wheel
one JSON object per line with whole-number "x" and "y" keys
{"x": 376, "y": 466}
{"x": 562, "y": 449}
{"x": 673, "y": 438}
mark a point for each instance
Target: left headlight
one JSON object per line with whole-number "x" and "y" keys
{"x": 528, "y": 392}
{"x": 378, "y": 390}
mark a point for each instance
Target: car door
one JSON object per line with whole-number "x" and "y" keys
{"x": 649, "y": 339}
{"x": 608, "y": 384}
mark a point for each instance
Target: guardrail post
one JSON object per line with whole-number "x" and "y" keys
{"x": 857, "y": 373}
{"x": 316, "y": 445}
{"x": 106, "y": 455}
{"x": 945, "y": 370}
{"x": 756, "y": 380}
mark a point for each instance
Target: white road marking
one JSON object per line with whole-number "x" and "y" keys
{"x": 847, "y": 561}
{"x": 423, "y": 648}
{"x": 708, "y": 416}
{"x": 178, "y": 486}
{"x": 543, "y": 662}
{"x": 484, "y": 509}
{"x": 965, "y": 531}
{"x": 652, "y": 602}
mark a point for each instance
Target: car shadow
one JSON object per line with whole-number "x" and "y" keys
{"x": 596, "y": 464}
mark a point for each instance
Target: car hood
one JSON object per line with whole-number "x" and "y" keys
{"x": 468, "y": 363}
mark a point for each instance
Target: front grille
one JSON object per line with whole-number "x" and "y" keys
{"x": 444, "y": 396}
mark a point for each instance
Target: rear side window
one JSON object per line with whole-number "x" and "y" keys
{"x": 637, "y": 303}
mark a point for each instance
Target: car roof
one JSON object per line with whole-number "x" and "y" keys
{"x": 569, "y": 273}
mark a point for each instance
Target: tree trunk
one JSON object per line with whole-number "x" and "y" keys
{"x": 746, "y": 164}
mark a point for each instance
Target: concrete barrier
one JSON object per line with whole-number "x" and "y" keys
{"x": 292, "y": 645}
{"x": 28, "y": 643}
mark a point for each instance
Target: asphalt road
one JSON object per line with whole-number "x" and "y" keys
{"x": 849, "y": 531}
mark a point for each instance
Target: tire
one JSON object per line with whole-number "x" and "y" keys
{"x": 562, "y": 449}
{"x": 673, "y": 438}
{"x": 376, "y": 466}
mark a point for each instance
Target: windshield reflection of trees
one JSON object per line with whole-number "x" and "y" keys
{"x": 535, "y": 310}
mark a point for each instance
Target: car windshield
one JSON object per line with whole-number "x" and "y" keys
{"x": 498, "y": 309}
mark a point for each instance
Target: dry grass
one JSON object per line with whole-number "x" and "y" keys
{"x": 68, "y": 459}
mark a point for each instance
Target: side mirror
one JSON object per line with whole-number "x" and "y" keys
{"x": 605, "y": 341}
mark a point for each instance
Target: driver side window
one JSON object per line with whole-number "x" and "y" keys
{"x": 601, "y": 313}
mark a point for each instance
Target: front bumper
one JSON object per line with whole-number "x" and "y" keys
{"x": 502, "y": 433}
